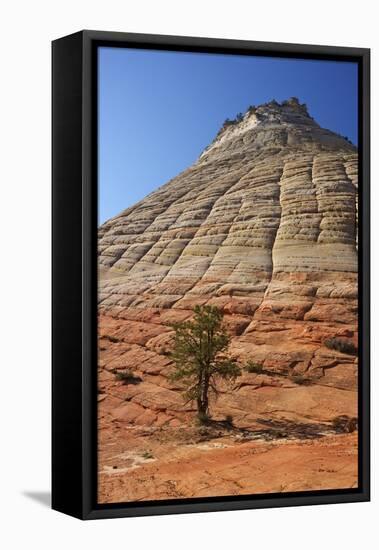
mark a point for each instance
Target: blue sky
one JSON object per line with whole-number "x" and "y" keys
{"x": 159, "y": 110}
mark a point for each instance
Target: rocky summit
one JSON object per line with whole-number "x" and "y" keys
{"x": 264, "y": 226}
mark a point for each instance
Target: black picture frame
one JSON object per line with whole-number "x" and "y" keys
{"x": 74, "y": 272}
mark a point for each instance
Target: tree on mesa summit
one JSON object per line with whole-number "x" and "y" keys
{"x": 198, "y": 354}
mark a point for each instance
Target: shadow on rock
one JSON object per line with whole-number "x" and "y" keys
{"x": 288, "y": 429}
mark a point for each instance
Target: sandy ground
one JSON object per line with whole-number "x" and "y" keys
{"x": 141, "y": 464}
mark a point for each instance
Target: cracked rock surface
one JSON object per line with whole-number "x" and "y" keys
{"x": 263, "y": 225}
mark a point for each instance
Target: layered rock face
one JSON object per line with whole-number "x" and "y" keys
{"x": 263, "y": 225}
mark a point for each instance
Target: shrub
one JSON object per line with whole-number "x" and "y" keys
{"x": 344, "y": 346}
{"x": 127, "y": 377}
{"x": 229, "y": 419}
{"x": 147, "y": 455}
{"x": 253, "y": 367}
{"x": 300, "y": 380}
{"x": 345, "y": 424}
{"x": 227, "y": 122}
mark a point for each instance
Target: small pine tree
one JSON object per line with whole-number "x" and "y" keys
{"x": 197, "y": 355}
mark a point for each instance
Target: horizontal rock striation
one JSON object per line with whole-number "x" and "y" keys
{"x": 263, "y": 225}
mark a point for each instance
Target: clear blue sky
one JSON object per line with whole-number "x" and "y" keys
{"x": 159, "y": 110}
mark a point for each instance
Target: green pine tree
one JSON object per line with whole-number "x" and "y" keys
{"x": 199, "y": 356}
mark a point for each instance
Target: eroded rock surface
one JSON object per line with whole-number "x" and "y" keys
{"x": 263, "y": 225}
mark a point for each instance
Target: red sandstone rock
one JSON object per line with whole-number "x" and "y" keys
{"x": 263, "y": 226}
